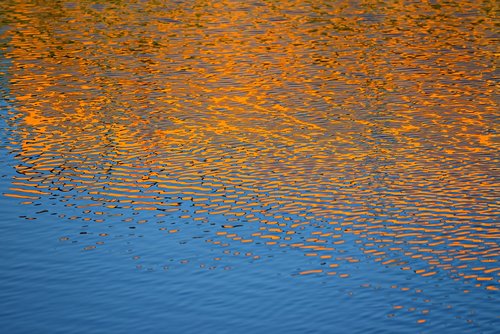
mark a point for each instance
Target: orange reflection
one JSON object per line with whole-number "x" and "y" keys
{"x": 313, "y": 124}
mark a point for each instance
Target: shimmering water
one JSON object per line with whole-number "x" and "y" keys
{"x": 249, "y": 167}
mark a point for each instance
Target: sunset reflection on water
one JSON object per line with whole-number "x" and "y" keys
{"x": 347, "y": 132}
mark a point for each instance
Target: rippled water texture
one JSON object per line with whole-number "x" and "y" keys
{"x": 249, "y": 167}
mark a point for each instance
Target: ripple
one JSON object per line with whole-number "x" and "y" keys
{"x": 345, "y": 134}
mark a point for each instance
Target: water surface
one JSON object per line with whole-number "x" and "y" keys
{"x": 249, "y": 167}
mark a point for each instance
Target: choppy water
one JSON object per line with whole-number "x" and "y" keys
{"x": 249, "y": 167}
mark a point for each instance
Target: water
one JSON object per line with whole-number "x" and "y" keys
{"x": 249, "y": 167}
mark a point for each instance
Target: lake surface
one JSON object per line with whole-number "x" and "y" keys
{"x": 249, "y": 167}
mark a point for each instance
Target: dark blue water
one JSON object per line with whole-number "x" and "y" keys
{"x": 53, "y": 286}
